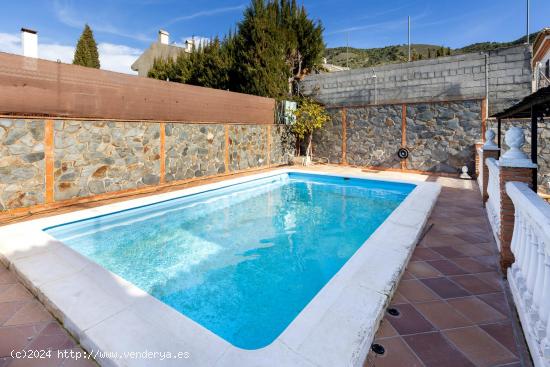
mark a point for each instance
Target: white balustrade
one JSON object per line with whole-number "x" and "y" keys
{"x": 493, "y": 203}
{"x": 529, "y": 275}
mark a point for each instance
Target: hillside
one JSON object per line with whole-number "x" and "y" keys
{"x": 366, "y": 57}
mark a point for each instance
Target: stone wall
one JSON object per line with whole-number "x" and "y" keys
{"x": 90, "y": 158}
{"x": 441, "y": 79}
{"x": 373, "y": 136}
{"x": 247, "y": 146}
{"x": 327, "y": 142}
{"x": 282, "y": 145}
{"x": 22, "y": 180}
{"x": 194, "y": 150}
{"x": 97, "y": 157}
{"x": 441, "y": 137}
{"x": 543, "y": 146}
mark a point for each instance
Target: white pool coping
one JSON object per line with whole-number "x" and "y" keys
{"x": 109, "y": 314}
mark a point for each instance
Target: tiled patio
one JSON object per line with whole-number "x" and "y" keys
{"x": 26, "y": 325}
{"x": 452, "y": 304}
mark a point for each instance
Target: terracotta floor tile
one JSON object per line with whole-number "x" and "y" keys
{"x": 474, "y": 285}
{"x": 31, "y": 312}
{"x": 7, "y": 277}
{"x": 416, "y": 291}
{"x": 407, "y": 275}
{"x": 8, "y": 309}
{"x": 424, "y": 253}
{"x": 449, "y": 252}
{"x": 17, "y": 337}
{"x": 442, "y": 315}
{"x": 476, "y": 310}
{"x": 397, "y": 354}
{"x": 385, "y": 330}
{"x": 409, "y": 321}
{"x": 445, "y": 288}
{"x": 493, "y": 278}
{"x": 446, "y": 267}
{"x": 473, "y": 250}
{"x": 497, "y": 301}
{"x": 470, "y": 265}
{"x": 434, "y": 350}
{"x": 14, "y": 292}
{"x": 503, "y": 333}
{"x": 52, "y": 342}
{"x": 398, "y": 299}
{"x": 475, "y": 237}
{"x": 421, "y": 269}
{"x": 479, "y": 346}
{"x": 441, "y": 241}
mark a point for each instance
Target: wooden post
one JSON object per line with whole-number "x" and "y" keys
{"x": 344, "y": 137}
{"x": 403, "y": 133}
{"x": 162, "y": 152}
{"x": 226, "y": 152}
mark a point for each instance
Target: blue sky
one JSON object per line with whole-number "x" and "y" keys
{"x": 124, "y": 28}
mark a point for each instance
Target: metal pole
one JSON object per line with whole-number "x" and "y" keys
{"x": 527, "y": 21}
{"x": 347, "y": 49}
{"x": 409, "y": 36}
{"x": 498, "y": 132}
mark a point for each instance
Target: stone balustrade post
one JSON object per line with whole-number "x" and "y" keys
{"x": 488, "y": 150}
{"x": 514, "y": 166}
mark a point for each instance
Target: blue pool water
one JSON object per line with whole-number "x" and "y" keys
{"x": 244, "y": 260}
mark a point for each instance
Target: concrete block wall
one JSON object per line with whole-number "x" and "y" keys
{"x": 53, "y": 162}
{"x": 441, "y": 79}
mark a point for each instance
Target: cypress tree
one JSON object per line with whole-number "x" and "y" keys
{"x": 86, "y": 53}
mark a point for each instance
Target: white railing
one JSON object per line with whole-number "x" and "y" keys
{"x": 493, "y": 203}
{"x": 529, "y": 276}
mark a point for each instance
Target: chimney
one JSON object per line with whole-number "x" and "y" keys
{"x": 164, "y": 37}
{"x": 29, "y": 41}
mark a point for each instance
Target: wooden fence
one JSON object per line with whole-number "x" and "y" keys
{"x": 34, "y": 87}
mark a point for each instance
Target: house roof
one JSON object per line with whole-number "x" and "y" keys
{"x": 157, "y": 50}
{"x": 541, "y": 45}
{"x": 540, "y": 101}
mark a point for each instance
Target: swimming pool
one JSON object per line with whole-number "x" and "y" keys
{"x": 244, "y": 260}
{"x": 350, "y": 280}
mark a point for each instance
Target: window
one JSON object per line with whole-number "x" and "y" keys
{"x": 547, "y": 71}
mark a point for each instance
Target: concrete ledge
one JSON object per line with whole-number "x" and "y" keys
{"x": 110, "y": 315}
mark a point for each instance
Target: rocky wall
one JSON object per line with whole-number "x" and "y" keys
{"x": 247, "y": 146}
{"x": 194, "y": 150}
{"x": 327, "y": 141}
{"x": 373, "y": 136}
{"x": 97, "y": 157}
{"x": 22, "y": 179}
{"x": 441, "y": 137}
{"x": 283, "y": 144}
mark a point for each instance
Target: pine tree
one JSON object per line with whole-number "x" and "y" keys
{"x": 86, "y": 50}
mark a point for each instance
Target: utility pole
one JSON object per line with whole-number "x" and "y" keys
{"x": 347, "y": 49}
{"x": 409, "y": 36}
{"x": 527, "y": 22}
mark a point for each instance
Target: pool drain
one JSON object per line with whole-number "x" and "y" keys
{"x": 377, "y": 349}
{"x": 393, "y": 311}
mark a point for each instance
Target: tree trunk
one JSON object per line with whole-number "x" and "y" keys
{"x": 309, "y": 150}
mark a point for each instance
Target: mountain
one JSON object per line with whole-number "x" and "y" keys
{"x": 367, "y": 57}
